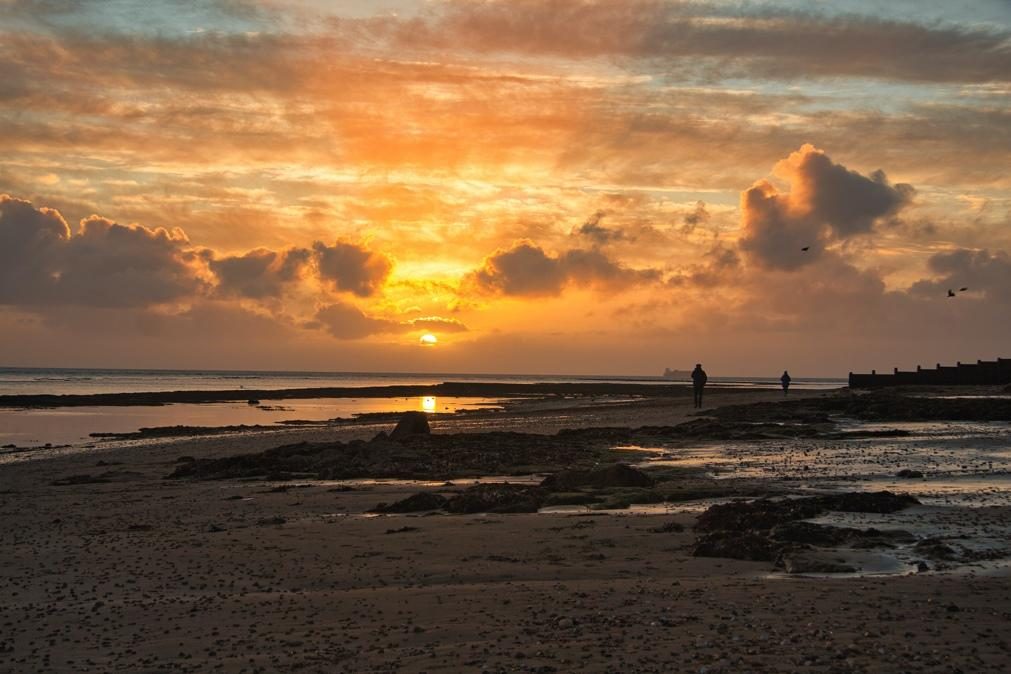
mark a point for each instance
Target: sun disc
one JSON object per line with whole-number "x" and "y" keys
{"x": 429, "y": 339}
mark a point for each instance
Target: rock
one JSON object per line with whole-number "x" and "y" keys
{"x": 935, "y": 548}
{"x": 497, "y": 498}
{"x": 908, "y": 474}
{"x": 565, "y": 623}
{"x": 617, "y": 475}
{"x": 419, "y": 502}
{"x": 252, "y": 401}
{"x": 271, "y": 521}
{"x": 411, "y": 424}
{"x": 764, "y": 514}
{"x": 668, "y": 528}
{"x": 736, "y": 545}
{"x": 823, "y": 535}
{"x": 812, "y": 534}
{"x": 922, "y": 567}
{"x": 810, "y": 561}
{"x": 881, "y": 502}
{"x": 185, "y": 459}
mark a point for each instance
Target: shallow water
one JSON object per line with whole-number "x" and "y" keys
{"x": 72, "y": 425}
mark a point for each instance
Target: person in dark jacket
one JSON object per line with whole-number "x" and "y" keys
{"x": 785, "y": 381}
{"x": 699, "y": 379}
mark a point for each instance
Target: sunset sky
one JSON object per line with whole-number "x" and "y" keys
{"x": 546, "y": 186}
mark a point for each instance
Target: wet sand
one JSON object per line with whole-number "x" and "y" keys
{"x": 145, "y": 574}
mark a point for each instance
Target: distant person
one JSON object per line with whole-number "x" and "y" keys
{"x": 785, "y": 381}
{"x": 699, "y": 379}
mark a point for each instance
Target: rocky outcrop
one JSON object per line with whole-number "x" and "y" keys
{"x": 410, "y": 425}
{"x": 617, "y": 475}
{"x": 420, "y": 502}
{"x": 497, "y": 498}
{"x": 774, "y": 530}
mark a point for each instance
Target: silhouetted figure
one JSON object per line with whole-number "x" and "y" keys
{"x": 699, "y": 379}
{"x": 785, "y": 381}
{"x": 951, "y": 293}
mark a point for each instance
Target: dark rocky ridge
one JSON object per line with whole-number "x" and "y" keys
{"x": 773, "y": 530}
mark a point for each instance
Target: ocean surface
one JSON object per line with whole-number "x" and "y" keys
{"x": 23, "y": 381}
{"x": 24, "y": 428}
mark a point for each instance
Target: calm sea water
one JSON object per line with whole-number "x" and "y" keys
{"x": 14, "y": 381}
{"x": 73, "y": 425}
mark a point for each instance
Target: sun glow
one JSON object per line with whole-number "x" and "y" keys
{"x": 428, "y": 339}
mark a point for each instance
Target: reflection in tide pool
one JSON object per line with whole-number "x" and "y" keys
{"x": 72, "y": 425}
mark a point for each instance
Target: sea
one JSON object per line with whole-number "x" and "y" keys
{"x": 22, "y": 428}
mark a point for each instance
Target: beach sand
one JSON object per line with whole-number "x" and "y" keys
{"x": 144, "y": 574}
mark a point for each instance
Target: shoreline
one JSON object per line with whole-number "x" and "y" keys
{"x": 132, "y": 571}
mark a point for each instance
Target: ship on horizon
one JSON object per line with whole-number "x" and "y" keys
{"x": 676, "y": 374}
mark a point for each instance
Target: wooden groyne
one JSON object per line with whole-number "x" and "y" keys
{"x": 982, "y": 372}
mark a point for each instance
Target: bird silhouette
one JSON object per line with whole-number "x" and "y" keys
{"x": 951, "y": 293}
{"x": 962, "y": 290}
{"x": 806, "y": 248}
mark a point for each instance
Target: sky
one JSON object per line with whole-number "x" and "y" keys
{"x": 552, "y": 186}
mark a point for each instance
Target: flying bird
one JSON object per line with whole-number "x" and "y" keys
{"x": 962, "y": 290}
{"x": 951, "y": 293}
{"x": 806, "y": 248}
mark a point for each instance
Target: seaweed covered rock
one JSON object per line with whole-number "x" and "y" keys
{"x": 497, "y": 498}
{"x": 764, "y": 514}
{"x": 735, "y": 545}
{"x": 420, "y": 502}
{"x": 617, "y": 475}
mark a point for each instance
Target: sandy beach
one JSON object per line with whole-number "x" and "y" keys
{"x": 126, "y": 570}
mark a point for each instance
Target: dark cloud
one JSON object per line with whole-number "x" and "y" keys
{"x": 352, "y": 268}
{"x": 346, "y": 321}
{"x": 698, "y": 217}
{"x": 827, "y": 202}
{"x": 103, "y": 264}
{"x": 717, "y": 267}
{"x": 983, "y": 272}
{"x": 526, "y": 269}
{"x": 715, "y": 37}
{"x": 596, "y": 232}
{"x": 260, "y": 273}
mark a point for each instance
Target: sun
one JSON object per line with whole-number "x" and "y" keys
{"x": 428, "y": 339}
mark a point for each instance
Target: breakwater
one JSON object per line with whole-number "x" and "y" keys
{"x": 982, "y": 372}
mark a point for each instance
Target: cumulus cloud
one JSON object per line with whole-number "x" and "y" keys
{"x": 43, "y": 262}
{"x": 103, "y": 264}
{"x": 827, "y": 202}
{"x": 526, "y": 269}
{"x": 352, "y": 268}
{"x": 260, "y": 273}
{"x": 346, "y": 321}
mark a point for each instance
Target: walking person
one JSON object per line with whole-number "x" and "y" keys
{"x": 785, "y": 381}
{"x": 699, "y": 379}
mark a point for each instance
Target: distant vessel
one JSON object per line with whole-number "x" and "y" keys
{"x": 676, "y": 374}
